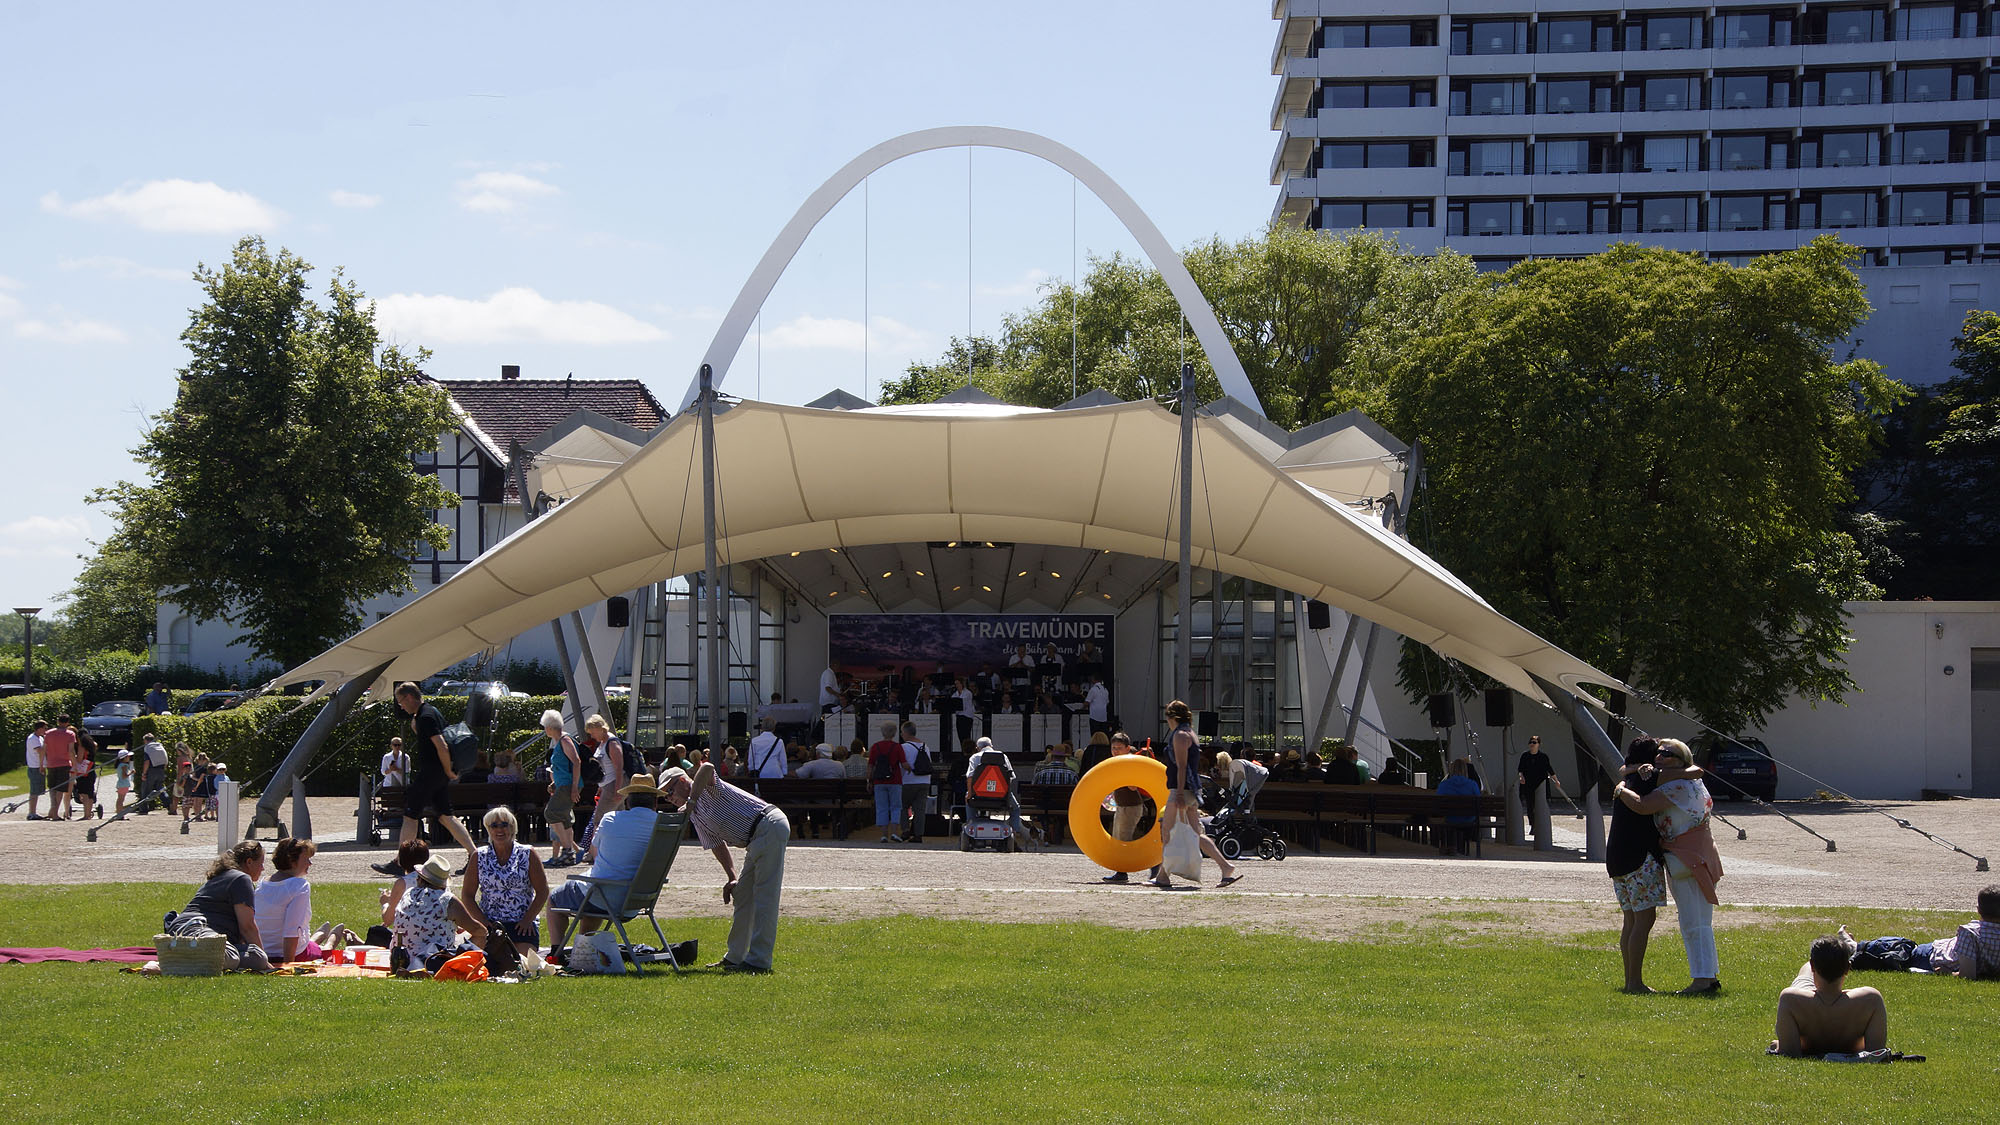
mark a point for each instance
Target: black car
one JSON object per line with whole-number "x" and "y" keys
{"x": 213, "y": 701}
{"x": 111, "y": 721}
{"x": 1737, "y": 767}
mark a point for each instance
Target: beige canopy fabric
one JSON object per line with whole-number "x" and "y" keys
{"x": 799, "y": 479}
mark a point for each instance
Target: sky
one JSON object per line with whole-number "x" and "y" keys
{"x": 575, "y": 188}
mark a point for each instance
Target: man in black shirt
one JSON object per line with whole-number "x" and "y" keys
{"x": 1633, "y": 859}
{"x": 1535, "y": 771}
{"x": 431, "y": 774}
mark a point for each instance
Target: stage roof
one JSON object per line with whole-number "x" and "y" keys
{"x": 1090, "y": 480}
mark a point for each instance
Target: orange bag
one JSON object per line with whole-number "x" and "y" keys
{"x": 466, "y": 966}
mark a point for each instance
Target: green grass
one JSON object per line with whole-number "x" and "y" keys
{"x": 913, "y": 1019}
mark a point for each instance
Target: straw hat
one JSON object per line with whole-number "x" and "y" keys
{"x": 640, "y": 783}
{"x": 435, "y": 871}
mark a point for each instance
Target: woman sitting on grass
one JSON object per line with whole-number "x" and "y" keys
{"x": 284, "y": 907}
{"x": 226, "y": 905}
{"x": 505, "y": 885}
{"x": 428, "y": 919}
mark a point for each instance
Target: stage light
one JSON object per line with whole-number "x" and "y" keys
{"x": 988, "y": 589}
{"x": 887, "y": 573}
{"x": 956, "y": 589}
{"x": 953, "y": 543}
{"x": 795, "y": 554}
{"x": 1023, "y": 574}
{"x": 833, "y": 593}
{"x": 833, "y": 550}
{"x": 1053, "y": 574}
{"x": 920, "y": 574}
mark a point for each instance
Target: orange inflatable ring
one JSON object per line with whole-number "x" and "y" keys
{"x": 1086, "y": 803}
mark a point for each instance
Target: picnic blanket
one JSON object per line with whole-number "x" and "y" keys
{"x": 132, "y": 954}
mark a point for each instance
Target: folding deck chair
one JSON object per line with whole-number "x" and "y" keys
{"x": 619, "y": 901}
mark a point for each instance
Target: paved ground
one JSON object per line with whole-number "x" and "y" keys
{"x": 1341, "y": 892}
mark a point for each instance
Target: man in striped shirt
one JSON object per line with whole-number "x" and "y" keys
{"x": 726, "y": 817}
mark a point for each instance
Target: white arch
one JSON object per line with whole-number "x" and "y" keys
{"x": 729, "y": 337}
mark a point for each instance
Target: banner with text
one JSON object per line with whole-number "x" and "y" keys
{"x": 881, "y": 646}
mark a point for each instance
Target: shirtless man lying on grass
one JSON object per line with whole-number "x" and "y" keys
{"x": 1817, "y": 1017}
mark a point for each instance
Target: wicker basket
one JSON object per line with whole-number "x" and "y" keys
{"x": 190, "y": 956}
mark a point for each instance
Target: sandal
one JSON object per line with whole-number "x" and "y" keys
{"x": 1231, "y": 879}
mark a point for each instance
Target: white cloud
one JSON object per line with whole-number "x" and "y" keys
{"x": 833, "y": 333}
{"x": 501, "y": 191}
{"x": 70, "y": 330}
{"x": 123, "y": 269}
{"x": 516, "y": 314}
{"x": 341, "y": 197}
{"x": 173, "y": 206}
{"x": 44, "y": 537}
{"x": 1025, "y": 287}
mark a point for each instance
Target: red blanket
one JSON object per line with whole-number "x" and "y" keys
{"x": 132, "y": 954}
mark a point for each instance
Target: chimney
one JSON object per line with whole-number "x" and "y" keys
{"x": 509, "y": 372}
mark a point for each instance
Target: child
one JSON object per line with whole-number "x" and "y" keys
{"x": 124, "y": 781}
{"x": 218, "y": 773}
{"x": 83, "y": 775}
{"x": 193, "y": 796}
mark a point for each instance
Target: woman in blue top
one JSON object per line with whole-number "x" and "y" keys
{"x": 564, "y": 768}
{"x": 1458, "y": 783}
{"x": 1183, "y": 812}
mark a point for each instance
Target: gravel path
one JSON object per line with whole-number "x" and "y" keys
{"x": 1338, "y": 893}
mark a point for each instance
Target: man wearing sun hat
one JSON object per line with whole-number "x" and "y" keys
{"x": 615, "y": 852}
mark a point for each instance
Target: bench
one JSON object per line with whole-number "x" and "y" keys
{"x": 1426, "y": 811}
{"x": 469, "y": 802}
{"x": 1308, "y": 809}
{"x": 835, "y": 798}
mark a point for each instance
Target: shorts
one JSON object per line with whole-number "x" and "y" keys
{"x": 37, "y": 784}
{"x": 1644, "y": 889}
{"x": 427, "y": 792}
{"x": 560, "y": 805}
{"x": 568, "y": 898}
{"x": 520, "y": 927}
{"x": 56, "y": 779}
{"x": 86, "y": 786}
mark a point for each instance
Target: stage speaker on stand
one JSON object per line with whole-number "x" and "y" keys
{"x": 618, "y": 612}
{"x": 479, "y": 711}
{"x": 739, "y": 724}
{"x": 1319, "y": 615}
{"x": 1500, "y": 707}
{"x": 1207, "y": 723}
{"x": 1442, "y": 713}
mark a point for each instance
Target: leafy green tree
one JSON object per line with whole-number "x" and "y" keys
{"x": 283, "y": 488}
{"x": 113, "y": 604}
{"x": 1962, "y": 521}
{"x": 1643, "y": 456}
{"x": 1311, "y": 316}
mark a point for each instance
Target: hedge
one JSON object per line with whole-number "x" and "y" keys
{"x": 117, "y": 675}
{"x": 17, "y": 720}
{"x": 254, "y": 737}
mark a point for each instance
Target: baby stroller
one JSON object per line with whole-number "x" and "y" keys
{"x": 988, "y": 795}
{"x": 1235, "y": 830}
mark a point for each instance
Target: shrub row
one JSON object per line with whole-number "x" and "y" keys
{"x": 115, "y": 675}
{"x": 17, "y": 719}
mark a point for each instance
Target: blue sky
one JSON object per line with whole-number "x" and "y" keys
{"x": 577, "y": 188}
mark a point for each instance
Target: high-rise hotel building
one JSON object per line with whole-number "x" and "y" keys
{"x": 1505, "y": 129}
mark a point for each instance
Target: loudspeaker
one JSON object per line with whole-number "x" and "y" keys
{"x": 1207, "y": 723}
{"x": 739, "y": 724}
{"x": 1500, "y": 707}
{"x": 1443, "y": 714}
{"x": 1319, "y": 615}
{"x": 618, "y": 612}
{"x": 479, "y": 710}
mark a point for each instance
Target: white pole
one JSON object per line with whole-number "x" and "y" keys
{"x": 226, "y": 819}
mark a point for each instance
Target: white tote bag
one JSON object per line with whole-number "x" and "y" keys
{"x": 1181, "y": 854}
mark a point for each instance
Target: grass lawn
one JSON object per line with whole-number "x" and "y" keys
{"x": 913, "y": 1019}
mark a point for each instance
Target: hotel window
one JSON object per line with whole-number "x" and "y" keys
{"x": 1754, "y": 29}
{"x": 1377, "y": 154}
{"x": 1676, "y": 153}
{"x": 1750, "y": 212}
{"x": 1751, "y": 152}
{"x": 1379, "y": 33}
{"x": 1349, "y": 214}
{"x": 1485, "y": 217}
{"x": 1567, "y": 35}
{"x": 1479, "y": 98}
{"x": 1931, "y": 207}
{"x": 1488, "y": 158}
{"x": 1489, "y": 37}
{"x": 1671, "y": 32}
{"x": 1844, "y": 25}
{"x": 1844, "y": 149}
{"x": 1841, "y": 87}
{"x": 1573, "y": 95}
{"x": 1838, "y": 209}
{"x": 1661, "y": 214}
{"x": 1940, "y": 145}
{"x": 1932, "y": 256}
{"x": 1563, "y": 156}
{"x": 1938, "y": 21}
{"x": 1753, "y": 91}
{"x": 1663, "y": 92}
{"x": 1935, "y": 83}
{"x": 1378, "y": 95}
{"x": 1572, "y": 216}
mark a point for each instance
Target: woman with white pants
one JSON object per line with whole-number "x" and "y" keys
{"x": 1681, "y": 809}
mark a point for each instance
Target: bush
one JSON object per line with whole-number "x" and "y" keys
{"x": 17, "y": 720}
{"x": 117, "y": 675}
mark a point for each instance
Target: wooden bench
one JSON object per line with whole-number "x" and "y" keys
{"x": 1048, "y": 805}
{"x": 469, "y": 802}
{"x": 1309, "y": 809}
{"x": 835, "y": 797}
{"x": 1426, "y": 812}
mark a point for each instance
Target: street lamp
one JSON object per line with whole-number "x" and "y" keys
{"x": 28, "y": 644}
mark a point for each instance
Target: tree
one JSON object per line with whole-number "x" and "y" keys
{"x": 1642, "y": 456}
{"x": 1949, "y": 506}
{"x": 114, "y": 603}
{"x": 1311, "y": 316}
{"x": 284, "y": 490}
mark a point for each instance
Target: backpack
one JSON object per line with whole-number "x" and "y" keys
{"x": 884, "y": 769}
{"x": 464, "y": 747}
{"x": 633, "y": 758}
{"x": 587, "y": 770}
{"x": 923, "y": 765}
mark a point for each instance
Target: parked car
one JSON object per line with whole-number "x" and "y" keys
{"x": 1737, "y": 767}
{"x": 111, "y": 721}
{"x": 495, "y": 688}
{"x": 12, "y": 689}
{"x": 213, "y": 701}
